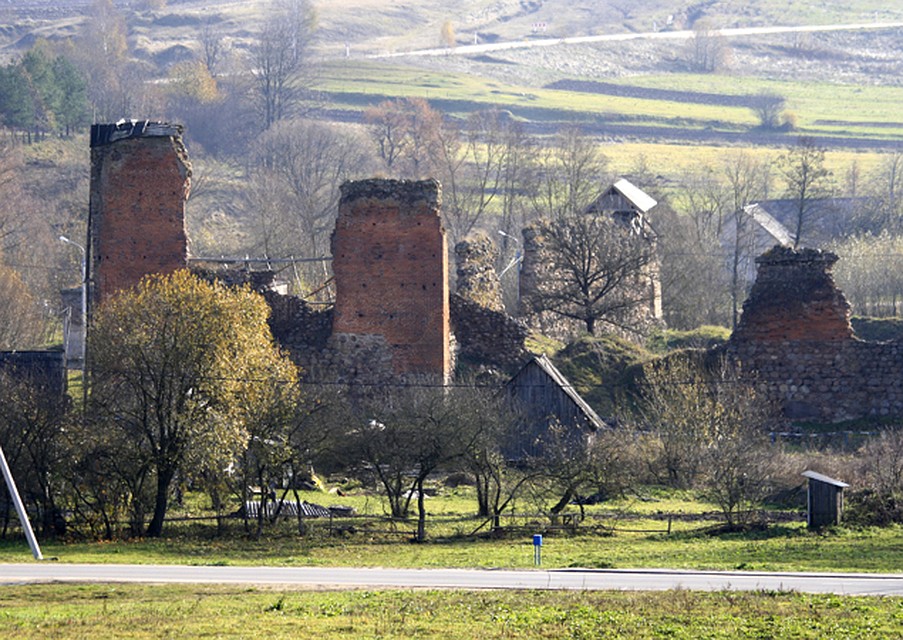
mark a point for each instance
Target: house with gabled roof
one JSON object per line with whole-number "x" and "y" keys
{"x": 773, "y": 222}
{"x": 627, "y": 204}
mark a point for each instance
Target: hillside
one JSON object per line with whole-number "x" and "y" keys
{"x": 378, "y": 26}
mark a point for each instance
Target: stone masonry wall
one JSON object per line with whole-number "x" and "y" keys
{"x": 140, "y": 179}
{"x": 488, "y": 336}
{"x": 796, "y": 341}
{"x": 391, "y": 272}
{"x": 475, "y": 259}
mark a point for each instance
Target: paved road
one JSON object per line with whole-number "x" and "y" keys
{"x": 578, "y": 579}
{"x": 621, "y": 37}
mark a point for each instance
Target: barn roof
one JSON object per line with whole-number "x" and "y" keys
{"x": 546, "y": 366}
{"x": 813, "y": 475}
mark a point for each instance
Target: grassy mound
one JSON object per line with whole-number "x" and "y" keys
{"x": 603, "y": 369}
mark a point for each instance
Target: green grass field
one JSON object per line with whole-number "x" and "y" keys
{"x": 624, "y": 534}
{"x": 870, "y": 112}
{"x": 138, "y": 611}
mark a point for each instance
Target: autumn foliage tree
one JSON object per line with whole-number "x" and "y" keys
{"x": 408, "y": 136}
{"x": 177, "y": 367}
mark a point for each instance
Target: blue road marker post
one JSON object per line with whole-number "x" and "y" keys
{"x": 537, "y": 549}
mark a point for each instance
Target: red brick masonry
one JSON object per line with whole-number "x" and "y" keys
{"x": 391, "y": 271}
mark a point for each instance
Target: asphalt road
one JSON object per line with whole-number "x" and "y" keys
{"x": 621, "y": 37}
{"x": 344, "y": 577}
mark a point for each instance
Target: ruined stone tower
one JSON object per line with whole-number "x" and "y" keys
{"x": 140, "y": 178}
{"x": 391, "y": 273}
{"x": 794, "y": 298}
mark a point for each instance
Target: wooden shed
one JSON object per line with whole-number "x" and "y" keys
{"x": 545, "y": 397}
{"x": 825, "y": 500}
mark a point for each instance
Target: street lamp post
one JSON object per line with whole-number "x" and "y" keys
{"x": 84, "y": 305}
{"x": 516, "y": 260}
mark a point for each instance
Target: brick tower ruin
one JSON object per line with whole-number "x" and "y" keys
{"x": 391, "y": 273}
{"x": 794, "y": 298}
{"x": 140, "y": 179}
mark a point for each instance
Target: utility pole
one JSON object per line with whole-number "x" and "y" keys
{"x": 20, "y": 507}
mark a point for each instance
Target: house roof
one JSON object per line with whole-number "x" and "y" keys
{"x": 637, "y": 197}
{"x": 827, "y": 218}
{"x": 765, "y": 220}
{"x": 564, "y": 384}
{"x": 812, "y": 475}
{"x": 613, "y": 198}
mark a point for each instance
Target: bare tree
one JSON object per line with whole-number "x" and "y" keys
{"x": 597, "y": 271}
{"x": 870, "y": 273}
{"x": 768, "y": 108}
{"x": 471, "y": 170}
{"x": 22, "y": 325}
{"x": 692, "y": 270}
{"x": 712, "y": 430}
{"x": 409, "y": 435}
{"x": 283, "y": 68}
{"x": 708, "y": 50}
{"x": 748, "y": 180}
{"x": 32, "y": 424}
{"x": 740, "y": 461}
{"x": 116, "y": 87}
{"x": 212, "y": 47}
{"x": 567, "y": 175}
{"x": 492, "y": 422}
{"x": 807, "y": 179}
{"x": 297, "y": 169}
{"x": 886, "y": 187}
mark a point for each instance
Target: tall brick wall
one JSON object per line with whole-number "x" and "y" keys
{"x": 140, "y": 178}
{"x": 391, "y": 272}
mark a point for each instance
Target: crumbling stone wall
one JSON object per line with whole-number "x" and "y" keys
{"x": 475, "y": 259}
{"x": 392, "y": 314}
{"x": 488, "y": 337}
{"x": 391, "y": 272}
{"x": 795, "y": 340}
{"x": 140, "y": 179}
{"x": 795, "y": 298}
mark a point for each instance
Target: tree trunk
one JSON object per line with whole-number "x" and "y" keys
{"x": 164, "y": 480}
{"x": 421, "y": 512}
{"x": 561, "y": 504}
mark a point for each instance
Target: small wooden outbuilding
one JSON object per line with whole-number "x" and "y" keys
{"x": 825, "y": 500}
{"x": 545, "y": 397}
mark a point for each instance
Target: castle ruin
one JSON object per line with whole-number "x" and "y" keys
{"x": 140, "y": 180}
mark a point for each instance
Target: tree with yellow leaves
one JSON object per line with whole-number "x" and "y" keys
{"x": 180, "y": 371}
